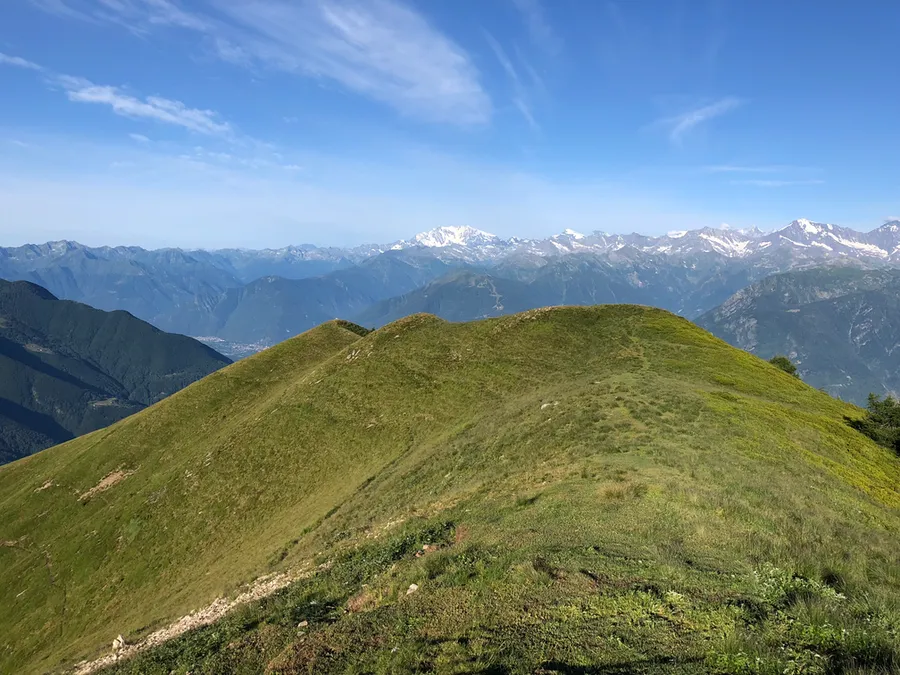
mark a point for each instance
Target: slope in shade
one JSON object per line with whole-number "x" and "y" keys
{"x": 566, "y": 488}
{"x": 67, "y": 369}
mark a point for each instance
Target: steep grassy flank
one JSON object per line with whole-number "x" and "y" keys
{"x": 604, "y": 487}
{"x": 67, "y": 369}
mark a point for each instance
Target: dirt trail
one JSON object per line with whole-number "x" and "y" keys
{"x": 262, "y": 587}
{"x": 105, "y": 483}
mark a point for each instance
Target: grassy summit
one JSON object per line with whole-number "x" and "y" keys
{"x": 607, "y": 487}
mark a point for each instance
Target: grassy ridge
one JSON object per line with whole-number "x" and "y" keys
{"x": 603, "y": 485}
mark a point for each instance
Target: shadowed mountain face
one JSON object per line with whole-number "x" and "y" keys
{"x": 272, "y": 309}
{"x": 67, "y": 369}
{"x": 624, "y": 276}
{"x": 576, "y": 489}
{"x": 841, "y": 326}
{"x": 215, "y": 294}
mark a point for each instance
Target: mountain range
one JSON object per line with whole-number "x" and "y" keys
{"x": 240, "y": 301}
{"x": 67, "y": 369}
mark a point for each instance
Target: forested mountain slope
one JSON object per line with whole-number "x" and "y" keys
{"x": 67, "y": 369}
{"x": 841, "y": 325}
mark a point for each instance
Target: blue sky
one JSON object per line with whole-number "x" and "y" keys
{"x": 267, "y": 122}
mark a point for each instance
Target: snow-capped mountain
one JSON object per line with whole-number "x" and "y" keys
{"x": 458, "y": 244}
{"x": 455, "y": 236}
{"x": 887, "y": 238}
{"x": 196, "y": 292}
{"x": 825, "y": 240}
{"x": 726, "y": 242}
{"x": 802, "y": 239}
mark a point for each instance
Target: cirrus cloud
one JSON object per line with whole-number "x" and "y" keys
{"x": 381, "y": 49}
{"x": 681, "y": 125}
{"x": 157, "y": 108}
{"x": 19, "y": 62}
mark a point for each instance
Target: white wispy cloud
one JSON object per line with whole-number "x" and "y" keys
{"x": 520, "y": 97}
{"x": 378, "y": 48}
{"x": 525, "y": 110}
{"x": 171, "y": 194}
{"x": 539, "y": 28}
{"x": 19, "y": 144}
{"x": 680, "y": 125}
{"x": 62, "y": 8}
{"x": 168, "y": 13}
{"x": 733, "y": 168}
{"x": 787, "y": 175}
{"x": 140, "y": 138}
{"x": 135, "y": 15}
{"x": 381, "y": 49}
{"x": 82, "y": 90}
{"x": 777, "y": 183}
{"x": 156, "y": 108}
{"x": 18, "y": 62}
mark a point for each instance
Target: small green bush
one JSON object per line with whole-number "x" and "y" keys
{"x": 785, "y": 364}
{"x": 882, "y": 421}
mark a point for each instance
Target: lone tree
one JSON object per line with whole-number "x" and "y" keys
{"x": 882, "y": 422}
{"x": 785, "y": 364}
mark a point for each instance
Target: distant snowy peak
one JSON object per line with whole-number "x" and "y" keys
{"x": 573, "y": 234}
{"x": 830, "y": 240}
{"x": 727, "y": 242}
{"x": 753, "y": 232}
{"x": 802, "y": 238}
{"x": 808, "y": 228}
{"x": 801, "y": 241}
{"x": 463, "y": 235}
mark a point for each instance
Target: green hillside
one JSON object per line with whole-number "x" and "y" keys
{"x": 67, "y": 369}
{"x": 575, "y": 490}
